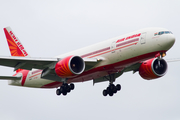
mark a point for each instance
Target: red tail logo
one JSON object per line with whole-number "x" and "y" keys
{"x": 15, "y": 45}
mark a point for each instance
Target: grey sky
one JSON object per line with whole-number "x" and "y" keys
{"x": 51, "y": 27}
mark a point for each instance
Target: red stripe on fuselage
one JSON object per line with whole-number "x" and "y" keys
{"x": 95, "y": 52}
{"x": 24, "y": 76}
{"x": 25, "y": 73}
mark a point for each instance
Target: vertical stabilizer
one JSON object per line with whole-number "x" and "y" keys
{"x": 15, "y": 46}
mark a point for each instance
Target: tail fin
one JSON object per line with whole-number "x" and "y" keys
{"x": 15, "y": 46}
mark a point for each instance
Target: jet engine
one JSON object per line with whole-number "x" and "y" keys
{"x": 153, "y": 68}
{"x": 70, "y": 66}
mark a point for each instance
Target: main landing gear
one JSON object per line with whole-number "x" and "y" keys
{"x": 111, "y": 89}
{"x": 64, "y": 89}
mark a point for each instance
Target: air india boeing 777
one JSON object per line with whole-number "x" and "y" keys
{"x": 142, "y": 50}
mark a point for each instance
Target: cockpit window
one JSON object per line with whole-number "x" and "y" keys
{"x": 160, "y": 33}
{"x": 163, "y": 32}
{"x": 167, "y": 32}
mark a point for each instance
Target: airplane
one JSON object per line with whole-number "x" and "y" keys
{"x": 139, "y": 51}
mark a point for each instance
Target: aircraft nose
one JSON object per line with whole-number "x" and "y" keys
{"x": 171, "y": 39}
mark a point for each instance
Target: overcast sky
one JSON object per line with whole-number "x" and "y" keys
{"x": 52, "y": 27}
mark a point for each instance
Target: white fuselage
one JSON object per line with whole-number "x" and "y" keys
{"x": 117, "y": 53}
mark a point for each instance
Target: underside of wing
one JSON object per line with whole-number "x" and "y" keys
{"x": 134, "y": 68}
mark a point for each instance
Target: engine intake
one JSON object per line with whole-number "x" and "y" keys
{"x": 70, "y": 66}
{"x": 153, "y": 68}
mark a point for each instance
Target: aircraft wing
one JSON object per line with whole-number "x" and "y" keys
{"x": 27, "y": 62}
{"x": 38, "y": 63}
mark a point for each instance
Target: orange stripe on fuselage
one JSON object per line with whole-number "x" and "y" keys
{"x": 35, "y": 75}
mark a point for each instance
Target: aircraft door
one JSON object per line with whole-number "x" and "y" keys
{"x": 113, "y": 57}
{"x": 113, "y": 47}
{"x": 143, "y": 38}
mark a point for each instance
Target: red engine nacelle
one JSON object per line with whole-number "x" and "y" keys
{"x": 153, "y": 68}
{"x": 69, "y": 66}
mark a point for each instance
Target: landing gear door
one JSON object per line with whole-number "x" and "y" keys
{"x": 143, "y": 38}
{"x": 113, "y": 47}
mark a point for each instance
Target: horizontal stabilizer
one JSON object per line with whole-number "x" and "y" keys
{"x": 10, "y": 78}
